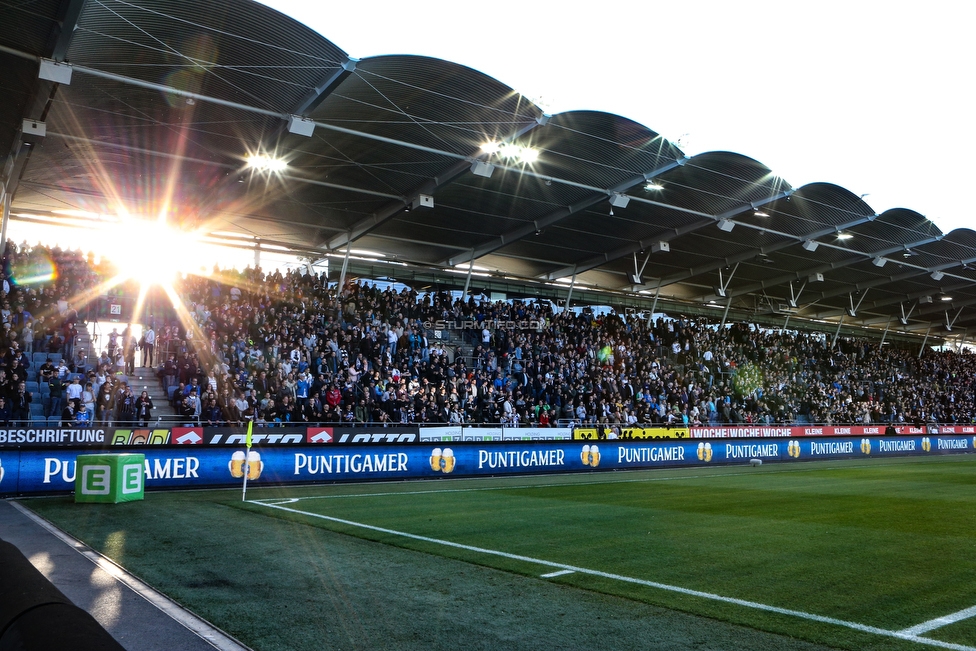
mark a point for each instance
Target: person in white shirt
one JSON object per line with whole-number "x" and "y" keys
{"x": 148, "y": 345}
{"x": 74, "y": 390}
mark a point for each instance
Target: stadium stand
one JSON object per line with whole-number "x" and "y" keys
{"x": 285, "y": 348}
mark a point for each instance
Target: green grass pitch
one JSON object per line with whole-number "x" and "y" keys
{"x": 858, "y": 554}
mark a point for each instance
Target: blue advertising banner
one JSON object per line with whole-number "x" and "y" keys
{"x": 49, "y": 471}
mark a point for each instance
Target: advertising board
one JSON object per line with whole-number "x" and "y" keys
{"x": 30, "y": 471}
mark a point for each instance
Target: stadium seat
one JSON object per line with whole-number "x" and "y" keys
{"x": 38, "y": 359}
{"x": 44, "y": 389}
{"x": 33, "y": 387}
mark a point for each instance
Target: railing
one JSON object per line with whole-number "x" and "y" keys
{"x": 178, "y": 420}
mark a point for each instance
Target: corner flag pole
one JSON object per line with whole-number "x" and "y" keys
{"x": 247, "y": 459}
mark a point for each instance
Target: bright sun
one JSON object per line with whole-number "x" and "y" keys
{"x": 151, "y": 252}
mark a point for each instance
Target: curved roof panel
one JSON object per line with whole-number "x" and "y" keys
{"x": 387, "y": 153}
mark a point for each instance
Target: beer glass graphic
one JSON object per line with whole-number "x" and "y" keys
{"x": 236, "y": 465}
{"x": 435, "y": 459}
{"x": 254, "y": 465}
{"x": 449, "y": 460}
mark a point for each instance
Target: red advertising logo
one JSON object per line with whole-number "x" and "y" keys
{"x": 319, "y": 435}
{"x": 187, "y": 435}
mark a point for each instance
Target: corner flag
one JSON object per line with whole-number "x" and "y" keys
{"x": 247, "y": 459}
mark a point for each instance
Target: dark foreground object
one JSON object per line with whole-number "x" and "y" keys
{"x": 36, "y": 616}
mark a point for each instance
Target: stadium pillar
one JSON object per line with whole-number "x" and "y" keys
{"x": 924, "y": 341}
{"x": 345, "y": 265}
{"x": 962, "y": 339}
{"x": 840, "y": 324}
{"x": 650, "y": 316}
{"x": 572, "y": 284}
{"x": 5, "y": 198}
{"x": 257, "y": 254}
{"x": 885, "y": 335}
{"x": 725, "y": 314}
{"x": 467, "y": 281}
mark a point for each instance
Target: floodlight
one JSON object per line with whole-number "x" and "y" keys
{"x": 618, "y": 200}
{"x": 59, "y": 73}
{"x": 300, "y": 126}
{"x": 481, "y": 168}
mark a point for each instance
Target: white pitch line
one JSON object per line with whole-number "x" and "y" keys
{"x": 560, "y": 485}
{"x": 652, "y": 584}
{"x": 939, "y": 622}
{"x": 273, "y": 500}
{"x": 553, "y": 575}
{"x": 202, "y": 628}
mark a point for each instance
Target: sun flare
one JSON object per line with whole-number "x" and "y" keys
{"x": 152, "y": 252}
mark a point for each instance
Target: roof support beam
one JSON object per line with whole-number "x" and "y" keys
{"x": 556, "y": 216}
{"x": 64, "y": 28}
{"x": 913, "y": 273}
{"x": 854, "y": 259}
{"x": 325, "y": 88}
{"x": 387, "y": 212}
{"x": 749, "y": 255}
{"x": 708, "y": 220}
{"x": 201, "y": 161}
{"x": 44, "y": 91}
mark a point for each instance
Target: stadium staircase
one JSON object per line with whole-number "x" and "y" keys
{"x": 144, "y": 379}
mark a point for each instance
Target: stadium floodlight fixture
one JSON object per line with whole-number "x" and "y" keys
{"x": 760, "y": 213}
{"x": 653, "y": 186}
{"x": 528, "y": 155}
{"x": 481, "y": 168}
{"x": 618, "y": 200}
{"x": 265, "y": 163}
{"x": 509, "y": 150}
{"x": 945, "y": 297}
{"x": 844, "y": 236}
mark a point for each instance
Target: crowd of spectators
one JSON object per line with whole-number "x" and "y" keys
{"x": 290, "y": 348}
{"x": 286, "y": 347}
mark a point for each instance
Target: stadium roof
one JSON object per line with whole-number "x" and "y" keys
{"x": 152, "y": 106}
